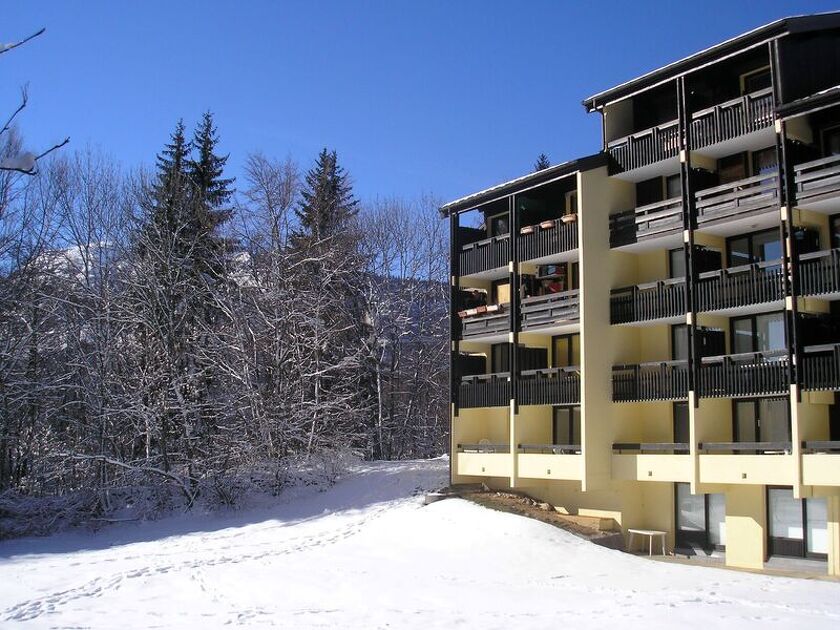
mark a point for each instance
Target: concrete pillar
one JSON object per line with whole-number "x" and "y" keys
{"x": 833, "y": 504}
{"x": 746, "y": 524}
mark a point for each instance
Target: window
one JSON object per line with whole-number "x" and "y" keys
{"x": 764, "y": 161}
{"x": 679, "y": 342}
{"x": 756, "y": 80}
{"x": 565, "y": 350}
{"x": 571, "y": 202}
{"x": 499, "y": 358}
{"x": 834, "y": 227}
{"x": 732, "y": 168}
{"x": 762, "y": 420}
{"x": 673, "y": 187}
{"x": 758, "y": 333}
{"x": 500, "y": 292}
{"x": 566, "y": 425}
{"x": 676, "y": 263}
{"x": 499, "y": 225}
{"x": 831, "y": 141}
{"x": 756, "y": 247}
{"x": 649, "y": 191}
{"x": 681, "y": 423}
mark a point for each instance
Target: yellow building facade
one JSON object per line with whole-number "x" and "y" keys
{"x": 651, "y": 333}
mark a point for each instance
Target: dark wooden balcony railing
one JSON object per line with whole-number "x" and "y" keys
{"x": 675, "y": 448}
{"x": 646, "y": 147}
{"x": 484, "y": 390}
{"x": 764, "y": 448}
{"x": 547, "y": 239}
{"x": 819, "y": 272}
{"x": 736, "y": 200}
{"x": 818, "y": 180}
{"x": 543, "y": 311}
{"x": 550, "y": 386}
{"x": 484, "y": 255}
{"x": 646, "y": 302}
{"x": 549, "y": 449}
{"x": 484, "y": 447}
{"x": 731, "y": 119}
{"x": 748, "y": 374}
{"x": 740, "y": 286}
{"x": 664, "y": 380}
{"x": 489, "y": 323}
{"x": 821, "y": 367}
{"x": 646, "y": 222}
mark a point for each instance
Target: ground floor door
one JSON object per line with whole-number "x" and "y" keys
{"x": 796, "y": 527}
{"x": 700, "y": 519}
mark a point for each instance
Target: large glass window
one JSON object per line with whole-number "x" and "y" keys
{"x": 682, "y": 433}
{"x": 566, "y": 425}
{"x": 499, "y": 358}
{"x": 785, "y": 514}
{"x": 691, "y": 509}
{"x": 565, "y": 350}
{"x": 673, "y": 187}
{"x": 732, "y": 168}
{"x": 756, "y": 80}
{"x": 752, "y": 248}
{"x": 758, "y": 333}
{"x": 717, "y": 520}
{"x": 762, "y": 420}
{"x": 679, "y": 342}
{"x": 676, "y": 263}
{"x": 499, "y": 225}
{"x": 765, "y": 162}
{"x": 831, "y": 141}
{"x": 816, "y": 512}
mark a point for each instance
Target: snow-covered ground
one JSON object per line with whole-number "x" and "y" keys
{"x": 366, "y": 554}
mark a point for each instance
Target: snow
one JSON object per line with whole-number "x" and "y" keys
{"x": 366, "y": 554}
{"x": 23, "y": 162}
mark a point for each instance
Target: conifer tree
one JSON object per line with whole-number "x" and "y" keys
{"x": 328, "y": 205}
{"x": 542, "y": 162}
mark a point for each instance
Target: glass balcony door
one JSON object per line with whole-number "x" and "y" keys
{"x": 700, "y": 519}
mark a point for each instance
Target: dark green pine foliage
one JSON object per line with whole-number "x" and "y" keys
{"x": 211, "y": 196}
{"x": 542, "y": 162}
{"x": 328, "y": 205}
{"x": 171, "y": 187}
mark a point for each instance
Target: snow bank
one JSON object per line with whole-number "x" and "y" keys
{"x": 366, "y": 554}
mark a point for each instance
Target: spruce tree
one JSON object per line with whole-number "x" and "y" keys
{"x": 542, "y": 162}
{"x": 328, "y": 205}
{"x": 206, "y": 172}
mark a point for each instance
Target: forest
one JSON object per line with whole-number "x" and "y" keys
{"x": 170, "y": 334}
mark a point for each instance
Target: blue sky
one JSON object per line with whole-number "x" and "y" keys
{"x": 438, "y": 97}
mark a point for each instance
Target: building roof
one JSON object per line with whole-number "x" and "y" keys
{"x": 784, "y": 26}
{"x": 522, "y": 183}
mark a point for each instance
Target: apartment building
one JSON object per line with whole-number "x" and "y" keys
{"x": 652, "y": 333}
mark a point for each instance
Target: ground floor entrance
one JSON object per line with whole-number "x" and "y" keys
{"x": 700, "y": 520}
{"x": 796, "y": 527}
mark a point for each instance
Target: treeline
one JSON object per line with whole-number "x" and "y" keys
{"x": 163, "y": 329}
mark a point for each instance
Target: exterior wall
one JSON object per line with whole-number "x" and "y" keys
{"x": 746, "y": 522}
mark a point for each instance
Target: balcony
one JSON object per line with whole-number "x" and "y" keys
{"x": 551, "y": 311}
{"x": 819, "y": 273}
{"x": 648, "y": 222}
{"x": 740, "y": 287}
{"x": 821, "y": 463}
{"x": 748, "y": 374}
{"x": 485, "y": 255}
{"x": 736, "y": 462}
{"x": 664, "y": 299}
{"x": 484, "y": 459}
{"x": 484, "y": 322}
{"x": 651, "y": 462}
{"x": 738, "y": 203}
{"x": 726, "y": 121}
{"x": 663, "y": 380}
{"x": 646, "y": 147}
{"x": 550, "y": 461}
{"x": 551, "y": 386}
{"x": 821, "y": 367}
{"x": 546, "y": 241}
{"x": 484, "y": 390}
{"x": 818, "y": 184}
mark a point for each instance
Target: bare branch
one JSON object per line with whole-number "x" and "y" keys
{"x": 24, "y": 99}
{"x": 13, "y": 45}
